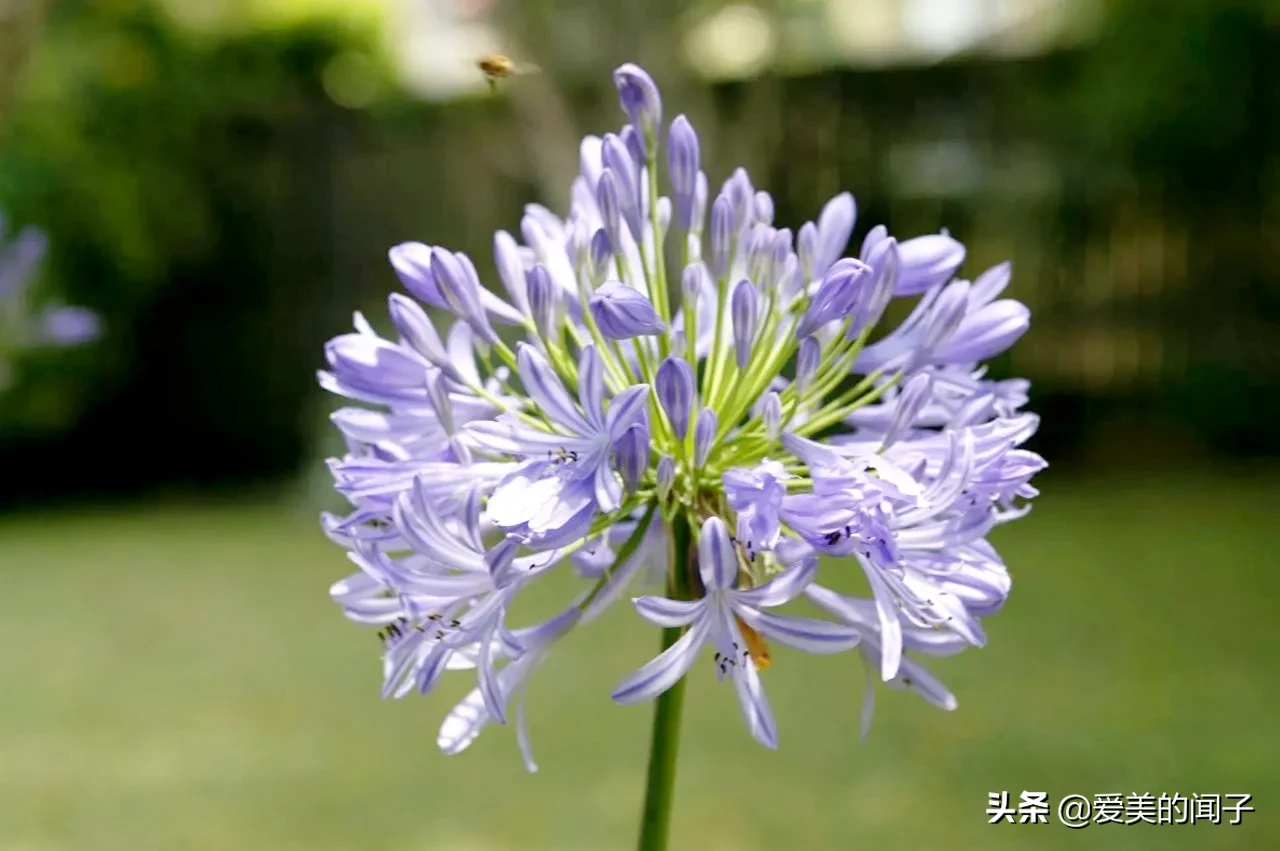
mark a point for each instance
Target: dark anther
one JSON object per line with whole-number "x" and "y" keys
{"x": 455, "y": 623}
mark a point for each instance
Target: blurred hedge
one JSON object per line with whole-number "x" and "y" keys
{"x": 164, "y": 166}
{"x": 224, "y": 215}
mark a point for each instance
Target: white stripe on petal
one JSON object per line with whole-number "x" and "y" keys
{"x": 784, "y": 587}
{"x": 669, "y": 613}
{"x": 806, "y": 634}
{"x": 755, "y": 705}
{"x": 662, "y": 672}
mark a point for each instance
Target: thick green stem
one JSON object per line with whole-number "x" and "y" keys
{"x": 655, "y": 822}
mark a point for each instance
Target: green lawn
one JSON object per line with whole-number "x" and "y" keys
{"x": 177, "y": 679}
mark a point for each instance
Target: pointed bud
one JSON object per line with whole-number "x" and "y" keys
{"x": 683, "y": 162}
{"x": 542, "y": 302}
{"x": 640, "y": 99}
{"x": 607, "y": 199}
{"x": 438, "y": 396}
{"x": 944, "y": 317}
{"x": 412, "y": 262}
{"x": 633, "y": 455}
{"x": 578, "y": 243}
{"x": 758, "y": 250}
{"x": 666, "y": 475}
{"x": 704, "y": 435}
{"x": 622, "y": 312}
{"x": 876, "y": 235}
{"x": 807, "y": 248}
{"x": 772, "y": 415}
{"x": 808, "y": 356}
{"x": 634, "y": 145}
{"x": 764, "y": 208}
{"x": 928, "y": 261}
{"x": 873, "y": 299}
{"x": 691, "y": 281}
{"x": 836, "y": 296}
{"x": 789, "y": 279}
{"x": 699, "y": 205}
{"x": 741, "y": 198}
{"x": 721, "y": 235}
{"x": 780, "y": 252}
{"x": 834, "y": 228}
{"x": 416, "y": 330}
{"x": 461, "y": 290}
{"x": 626, "y": 173}
{"x": 743, "y": 307}
{"x": 675, "y": 387}
{"x": 601, "y": 254}
{"x": 506, "y": 256}
{"x": 991, "y": 283}
{"x": 914, "y": 396}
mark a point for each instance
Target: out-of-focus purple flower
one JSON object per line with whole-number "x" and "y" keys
{"x": 24, "y": 323}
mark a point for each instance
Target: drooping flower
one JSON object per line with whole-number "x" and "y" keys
{"x": 649, "y": 405}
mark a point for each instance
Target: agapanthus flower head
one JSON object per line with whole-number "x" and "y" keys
{"x": 22, "y": 324}
{"x": 735, "y": 429}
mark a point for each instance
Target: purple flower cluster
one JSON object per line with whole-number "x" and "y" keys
{"x": 749, "y": 395}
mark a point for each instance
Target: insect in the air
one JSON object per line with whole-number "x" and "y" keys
{"x": 497, "y": 66}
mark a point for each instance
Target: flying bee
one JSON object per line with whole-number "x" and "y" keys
{"x": 496, "y": 66}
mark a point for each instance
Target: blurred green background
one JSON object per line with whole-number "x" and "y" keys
{"x": 221, "y": 179}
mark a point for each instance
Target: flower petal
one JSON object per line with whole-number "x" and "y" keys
{"x": 717, "y": 561}
{"x": 662, "y": 672}
{"x": 784, "y": 587}
{"x": 668, "y": 613}
{"x": 809, "y": 635}
{"x": 545, "y": 388}
{"x": 625, "y": 409}
{"x": 591, "y": 386}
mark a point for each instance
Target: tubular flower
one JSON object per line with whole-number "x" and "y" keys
{"x": 737, "y": 430}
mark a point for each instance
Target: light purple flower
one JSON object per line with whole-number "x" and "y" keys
{"x": 675, "y": 387}
{"x": 475, "y": 466}
{"x": 622, "y": 312}
{"x": 836, "y": 296}
{"x": 715, "y": 619}
{"x": 639, "y": 98}
{"x": 756, "y": 495}
{"x": 928, "y": 261}
{"x": 569, "y": 473}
